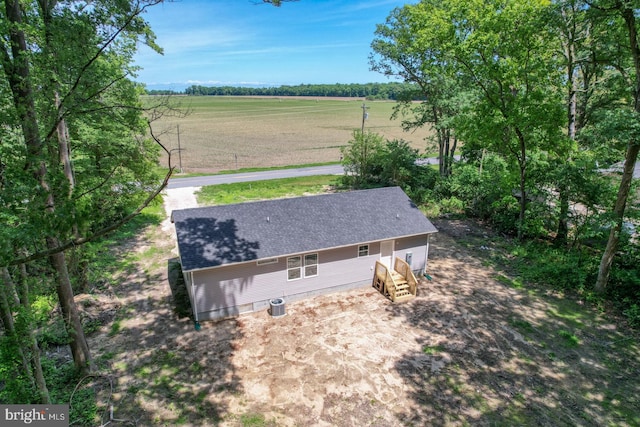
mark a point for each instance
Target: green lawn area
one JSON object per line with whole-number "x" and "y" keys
{"x": 271, "y": 189}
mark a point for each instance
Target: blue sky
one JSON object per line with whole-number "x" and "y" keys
{"x": 241, "y": 42}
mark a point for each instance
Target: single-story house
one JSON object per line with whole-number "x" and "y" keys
{"x": 236, "y": 258}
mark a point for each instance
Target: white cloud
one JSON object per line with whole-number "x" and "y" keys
{"x": 202, "y": 39}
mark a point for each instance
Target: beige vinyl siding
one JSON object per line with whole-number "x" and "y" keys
{"x": 417, "y": 246}
{"x": 223, "y": 288}
{"x": 234, "y": 285}
{"x": 247, "y": 283}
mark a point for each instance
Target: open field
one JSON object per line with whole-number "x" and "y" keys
{"x": 223, "y": 133}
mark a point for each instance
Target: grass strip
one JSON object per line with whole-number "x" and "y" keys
{"x": 224, "y": 194}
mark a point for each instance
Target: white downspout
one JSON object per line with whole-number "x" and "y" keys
{"x": 426, "y": 255}
{"x": 193, "y": 302}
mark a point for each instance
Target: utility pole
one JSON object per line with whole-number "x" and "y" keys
{"x": 365, "y": 115}
{"x": 179, "y": 150}
{"x": 364, "y": 168}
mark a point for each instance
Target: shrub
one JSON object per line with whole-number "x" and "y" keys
{"x": 16, "y": 388}
{"x": 624, "y": 283}
{"x": 53, "y": 333}
{"x": 633, "y": 315}
{"x": 452, "y": 205}
{"x": 504, "y": 215}
{"x": 64, "y": 380}
{"x": 483, "y": 193}
{"x": 41, "y": 308}
{"x": 556, "y": 267}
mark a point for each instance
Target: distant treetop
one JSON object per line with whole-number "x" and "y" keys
{"x": 372, "y": 91}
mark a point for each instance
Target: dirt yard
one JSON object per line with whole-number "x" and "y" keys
{"x": 469, "y": 350}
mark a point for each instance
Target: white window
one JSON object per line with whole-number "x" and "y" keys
{"x": 294, "y": 267}
{"x": 363, "y": 250}
{"x": 310, "y": 265}
{"x": 296, "y": 264}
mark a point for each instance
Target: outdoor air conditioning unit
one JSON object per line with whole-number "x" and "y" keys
{"x": 277, "y": 307}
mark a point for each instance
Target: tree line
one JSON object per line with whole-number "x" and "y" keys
{"x": 77, "y": 161}
{"x": 537, "y": 98}
{"x": 373, "y": 91}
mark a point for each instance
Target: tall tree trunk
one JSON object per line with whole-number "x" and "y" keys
{"x": 563, "y": 216}
{"x": 36, "y": 362}
{"x": 77, "y": 340}
{"x": 6, "y": 313}
{"x": 31, "y": 342}
{"x": 64, "y": 147}
{"x": 563, "y": 188}
{"x": 17, "y": 69}
{"x": 618, "y": 213}
{"x": 441, "y": 157}
{"x": 452, "y": 154}
{"x": 76, "y": 265}
{"x": 572, "y": 102}
{"x": 631, "y": 155}
{"x": 522, "y": 164}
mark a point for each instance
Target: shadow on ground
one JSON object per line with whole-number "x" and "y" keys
{"x": 164, "y": 371}
{"x": 494, "y": 355}
{"x": 179, "y": 294}
{"x": 469, "y": 350}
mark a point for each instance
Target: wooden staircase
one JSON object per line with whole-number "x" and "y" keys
{"x": 398, "y": 284}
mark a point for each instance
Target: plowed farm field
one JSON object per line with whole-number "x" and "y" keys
{"x": 227, "y": 133}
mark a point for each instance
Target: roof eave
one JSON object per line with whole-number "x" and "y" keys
{"x": 312, "y": 250}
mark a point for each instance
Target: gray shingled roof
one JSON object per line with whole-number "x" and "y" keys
{"x": 217, "y": 235}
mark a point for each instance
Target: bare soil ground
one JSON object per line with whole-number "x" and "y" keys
{"x": 469, "y": 350}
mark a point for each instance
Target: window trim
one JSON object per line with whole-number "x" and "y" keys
{"x": 302, "y": 268}
{"x": 368, "y": 250}
{"x": 299, "y": 268}
{"x": 305, "y": 265}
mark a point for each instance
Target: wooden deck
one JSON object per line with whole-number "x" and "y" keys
{"x": 398, "y": 284}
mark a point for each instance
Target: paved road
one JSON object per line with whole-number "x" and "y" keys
{"x": 617, "y": 167}
{"x": 199, "y": 181}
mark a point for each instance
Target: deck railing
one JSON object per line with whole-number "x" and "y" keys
{"x": 402, "y": 267}
{"x": 384, "y": 281}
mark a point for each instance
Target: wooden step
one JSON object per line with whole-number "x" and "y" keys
{"x": 402, "y": 286}
{"x": 397, "y": 276}
{"x": 400, "y": 297}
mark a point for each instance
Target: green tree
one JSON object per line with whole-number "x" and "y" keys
{"x": 360, "y": 159}
{"x": 74, "y": 142}
{"x": 502, "y": 52}
{"x": 622, "y": 14}
{"x": 572, "y": 30}
{"x": 412, "y": 45}
{"x": 369, "y": 162}
{"x": 77, "y": 78}
{"x": 398, "y": 163}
